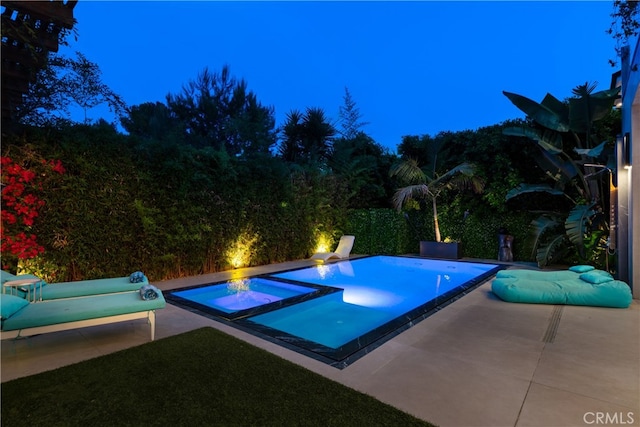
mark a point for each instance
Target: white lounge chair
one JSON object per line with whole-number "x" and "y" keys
{"x": 342, "y": 251}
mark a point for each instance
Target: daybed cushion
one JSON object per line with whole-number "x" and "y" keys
{"x": 77, "y": 288}
{"x": 90, "y": 287}
{"x": 613, "y": 293}
{"x": 550, "y": 275}
{"x": 581, "y": 268}
{"x": 11, "y": 304}
{"x": 596, "y": 277}
{"x": 74, "y": 309}
{"x": 537, "y": 274}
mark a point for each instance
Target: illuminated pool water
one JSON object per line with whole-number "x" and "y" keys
{"x": 236, "y": 295}
{"x": 242, "y": 297}
{"x": 353, "y": 306}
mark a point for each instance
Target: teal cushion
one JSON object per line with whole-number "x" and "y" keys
{"x": 5, "y": 276}
{"x": 612, "y": 293}
{"x": 90, "y": 287}
{"x": 537, "y": 274}
{"x": 528, "y": 291}
{"x": 66, "y": 310}
{"x": 601, "y": 272}
{"x": 596, "y": 277}
{"x": 11, "y": 304}
{"x": 581, "y": 268}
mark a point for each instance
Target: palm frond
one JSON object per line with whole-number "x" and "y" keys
{"x": 584, "y": 89}
{"x": 408, "y": 171}
{"x": 409, "y": 192}
{"x": 461, "y": 171}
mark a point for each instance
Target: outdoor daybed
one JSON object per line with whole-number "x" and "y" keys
{"x": 22, "y": 318}
{"x": 35, "y": 289}
{"x": 580, "y": 285}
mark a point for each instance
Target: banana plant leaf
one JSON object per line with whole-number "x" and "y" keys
{"x": 554, "y": 164}
{"x": 532, "y": 188}
{"x": 608, "y": 93}
{"x": 591, "y": 152}
{"x": 576, "y": 225}
{"x": 588, "y": 109}
{"x": 538, "y": 112}
{"x": 551, "y": 250}
{"x": 557, "y": 106}
{"x": 549, "y": 140}
{"x": 537, "y": 229}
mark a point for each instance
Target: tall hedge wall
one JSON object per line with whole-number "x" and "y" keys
{"x": 170, "y": 210}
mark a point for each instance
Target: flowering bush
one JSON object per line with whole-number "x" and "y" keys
{"x": 20, "y": 207}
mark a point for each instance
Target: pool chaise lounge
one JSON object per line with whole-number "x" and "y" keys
{"x": 21, "y": 318}
{"x": 342, "y": 251}
{"x": 34, "y": 289}
{"x": 579, "y": 285}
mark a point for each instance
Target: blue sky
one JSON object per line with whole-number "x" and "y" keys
{"x": 412, "y": 68}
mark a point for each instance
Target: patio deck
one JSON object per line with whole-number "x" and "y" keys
{"x": 478, "y": 362}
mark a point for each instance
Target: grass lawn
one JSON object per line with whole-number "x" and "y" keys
{"x": 203, "y": 377}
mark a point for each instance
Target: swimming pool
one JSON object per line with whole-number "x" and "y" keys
{"x": 338, "y": 312}
{"x": 238, "y": 298}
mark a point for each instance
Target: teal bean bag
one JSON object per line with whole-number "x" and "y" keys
{"x": 591, "y": 288}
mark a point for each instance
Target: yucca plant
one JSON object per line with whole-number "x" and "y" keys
{"x": 575, "y": 161}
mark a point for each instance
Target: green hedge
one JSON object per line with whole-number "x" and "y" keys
{"x": 380, "y": 231}
{"x": 172, "y": 210}
{"x": 384, "y": 231}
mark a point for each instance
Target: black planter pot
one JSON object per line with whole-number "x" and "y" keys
{"x": 440, "y": 250}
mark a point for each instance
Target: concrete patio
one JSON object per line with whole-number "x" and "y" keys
{"x": 478, "y": 362}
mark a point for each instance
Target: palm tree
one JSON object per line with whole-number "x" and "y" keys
{"x": 291, "y": 147}
{"x": 427, "y": 183}
{"x": 307, "y": 137}
{"x": 318, "y": 135}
